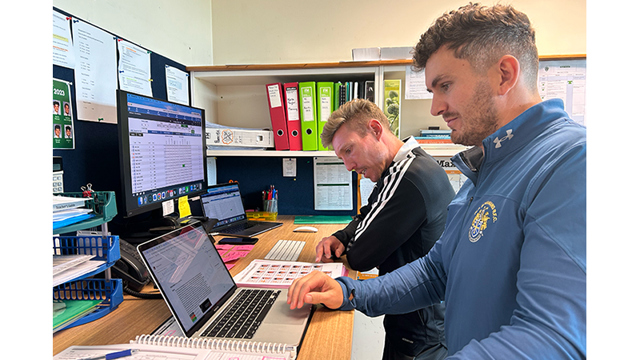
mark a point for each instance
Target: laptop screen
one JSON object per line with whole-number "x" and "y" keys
{"x": 189, "y": 271}
{"x": 223, "y": 202}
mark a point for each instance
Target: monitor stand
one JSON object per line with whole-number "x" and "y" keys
{"x": 141, "y": 228}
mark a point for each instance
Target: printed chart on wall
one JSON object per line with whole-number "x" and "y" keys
{"x": 63, "y": 54}
{"x": 62, "y": 128}
{"x": 134, "y": 68}
{"x": 332, "y": 184}
{"x": 95, "y": 73}
{"x": 177, "y": 85}
{"x": 566, "y": 80}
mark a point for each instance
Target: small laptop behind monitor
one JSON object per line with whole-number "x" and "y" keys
{"x": 200, "y": 292}
{"x": 223, "y": 202}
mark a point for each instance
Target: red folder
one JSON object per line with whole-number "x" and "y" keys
{"x": 278, "y": 119}
{"x": 293, "y": 115}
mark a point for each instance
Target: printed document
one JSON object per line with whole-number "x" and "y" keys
{"x": 134, "y": 68}
{"x": 95, "y": 73}
{"x": 63, "y": 54}
{"x": 332, "y": 184}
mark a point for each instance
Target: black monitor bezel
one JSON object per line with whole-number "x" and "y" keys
{"x": 128, "y": 207}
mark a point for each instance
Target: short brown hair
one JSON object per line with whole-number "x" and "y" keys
{"x": 357, "y": 114}
{"x": 482, "y": 35}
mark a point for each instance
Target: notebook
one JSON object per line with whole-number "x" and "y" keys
{"x": 223, "y": 202}
{"x": 199, "y": 290}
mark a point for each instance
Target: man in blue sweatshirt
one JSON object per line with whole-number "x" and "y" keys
{"x": 511, "y": 262}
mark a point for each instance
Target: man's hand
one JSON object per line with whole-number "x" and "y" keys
{"x": 315, "y": 288}
{"x": 327, "y": 246}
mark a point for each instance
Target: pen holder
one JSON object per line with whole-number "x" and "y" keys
{"x": 270, "y": 205}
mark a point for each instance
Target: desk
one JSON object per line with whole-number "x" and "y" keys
{"x": 328, "y": 335}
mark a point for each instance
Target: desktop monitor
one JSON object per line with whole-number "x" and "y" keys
{"x": 162, "y": 152}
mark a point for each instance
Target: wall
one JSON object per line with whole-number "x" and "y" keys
{"x": 286, "y": 31}
{"x": 178, "y": 30}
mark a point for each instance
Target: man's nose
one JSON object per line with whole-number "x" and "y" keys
{"x": 438, "y": 106}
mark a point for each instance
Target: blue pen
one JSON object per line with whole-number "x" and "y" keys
{"x": 113, "y": 355}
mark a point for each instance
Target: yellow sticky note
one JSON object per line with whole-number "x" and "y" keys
{"x": 183, "y": 207}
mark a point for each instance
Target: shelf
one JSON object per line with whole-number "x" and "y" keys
{"x": 270, "y": 153}
{"x": 440, "y": 151}
{"x": 341, "y": 64}
{"x": 435, "y": 151}
{"x": 103, "y": 205}
{"x": 110, "y": 291}
{"x": 105, "y": 248}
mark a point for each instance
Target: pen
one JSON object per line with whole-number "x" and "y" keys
{"x": 113, "y": 355}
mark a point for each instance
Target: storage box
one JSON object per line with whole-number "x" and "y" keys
{"x": 396, "y": 53}
{"x": 239, "y": 137}
{"x": 262, "y": 215}
{"x": 365, "y": 54}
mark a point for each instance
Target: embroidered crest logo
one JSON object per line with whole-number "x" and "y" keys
{"x": 486, "y": 213}
{"x": 499, "y": 141}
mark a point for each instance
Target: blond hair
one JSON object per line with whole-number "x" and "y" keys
{"x": 356, "y": 113}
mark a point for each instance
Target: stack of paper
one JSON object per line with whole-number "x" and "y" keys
{"x": 69, "y": 267}
{"x": 67, "y": 311}
{"x": 231, "y": 253}
{"x": 69, "y": 210}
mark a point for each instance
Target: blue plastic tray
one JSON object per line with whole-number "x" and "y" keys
{"x": 105, "y": 248}
{"x": 103, "y": 204}
{"x": 110, "y": 291}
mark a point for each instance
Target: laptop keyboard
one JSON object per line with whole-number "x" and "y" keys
{"x": 238, "y": 228}
{"x": 244, "y": 315}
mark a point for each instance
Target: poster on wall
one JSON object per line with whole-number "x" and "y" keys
{"x": 63, "y": 54}
{"x": 62, "y": 128}
{"x": 177, "y": 85}
{"x": 134, "y": 68}
{"x": 332, "y": 184}
{"x": 565, "y": 80}
{"x": 95, "y": 73}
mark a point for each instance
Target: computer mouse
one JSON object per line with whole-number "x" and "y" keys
{"x": 305, "y": 229}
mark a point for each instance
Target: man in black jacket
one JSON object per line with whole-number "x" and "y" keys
{"x": 404, "y": 217}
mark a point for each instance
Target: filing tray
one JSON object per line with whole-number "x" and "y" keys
{"x": 106, "y": 249}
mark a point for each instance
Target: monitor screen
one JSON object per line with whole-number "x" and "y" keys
{"x": 162, "y": 152}
{"x": 223, "y": 202}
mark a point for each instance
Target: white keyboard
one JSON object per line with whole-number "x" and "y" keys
{"x": 287, "y": 250}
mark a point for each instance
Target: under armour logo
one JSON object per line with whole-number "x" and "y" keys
{"x": 498, "y": 141}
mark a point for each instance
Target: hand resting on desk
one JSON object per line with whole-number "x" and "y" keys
{"x": 315, "y": 288}
{"x": 326, "y": 247}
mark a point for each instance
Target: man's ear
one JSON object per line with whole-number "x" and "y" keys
{"x": 376, "y": 128}
{"x": 509, "y": 70}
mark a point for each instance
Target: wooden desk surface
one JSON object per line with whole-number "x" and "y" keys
{"x": 328, "y": 335}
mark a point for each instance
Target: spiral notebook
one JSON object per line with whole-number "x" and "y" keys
{"x": 181, "y": 348}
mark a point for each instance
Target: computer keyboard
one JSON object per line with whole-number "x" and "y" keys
{"x": 244, "y": 315}
{"x": 286, "y": 250}
{"x": 238, "y": 228}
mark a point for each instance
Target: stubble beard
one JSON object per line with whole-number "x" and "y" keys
{"x": 481, "y": 118}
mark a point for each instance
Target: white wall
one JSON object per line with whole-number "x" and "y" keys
{"x": 178, "y": 30}
{"x": 289, "y": 31}
{"x": 208, "y": 32}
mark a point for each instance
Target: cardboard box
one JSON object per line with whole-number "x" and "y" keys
{"x": 240, "y": 137}
{"x": 365, "y": 54}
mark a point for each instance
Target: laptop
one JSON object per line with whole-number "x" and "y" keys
{"x": 223, "y": 202}
{"x": 200, "y": 292}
